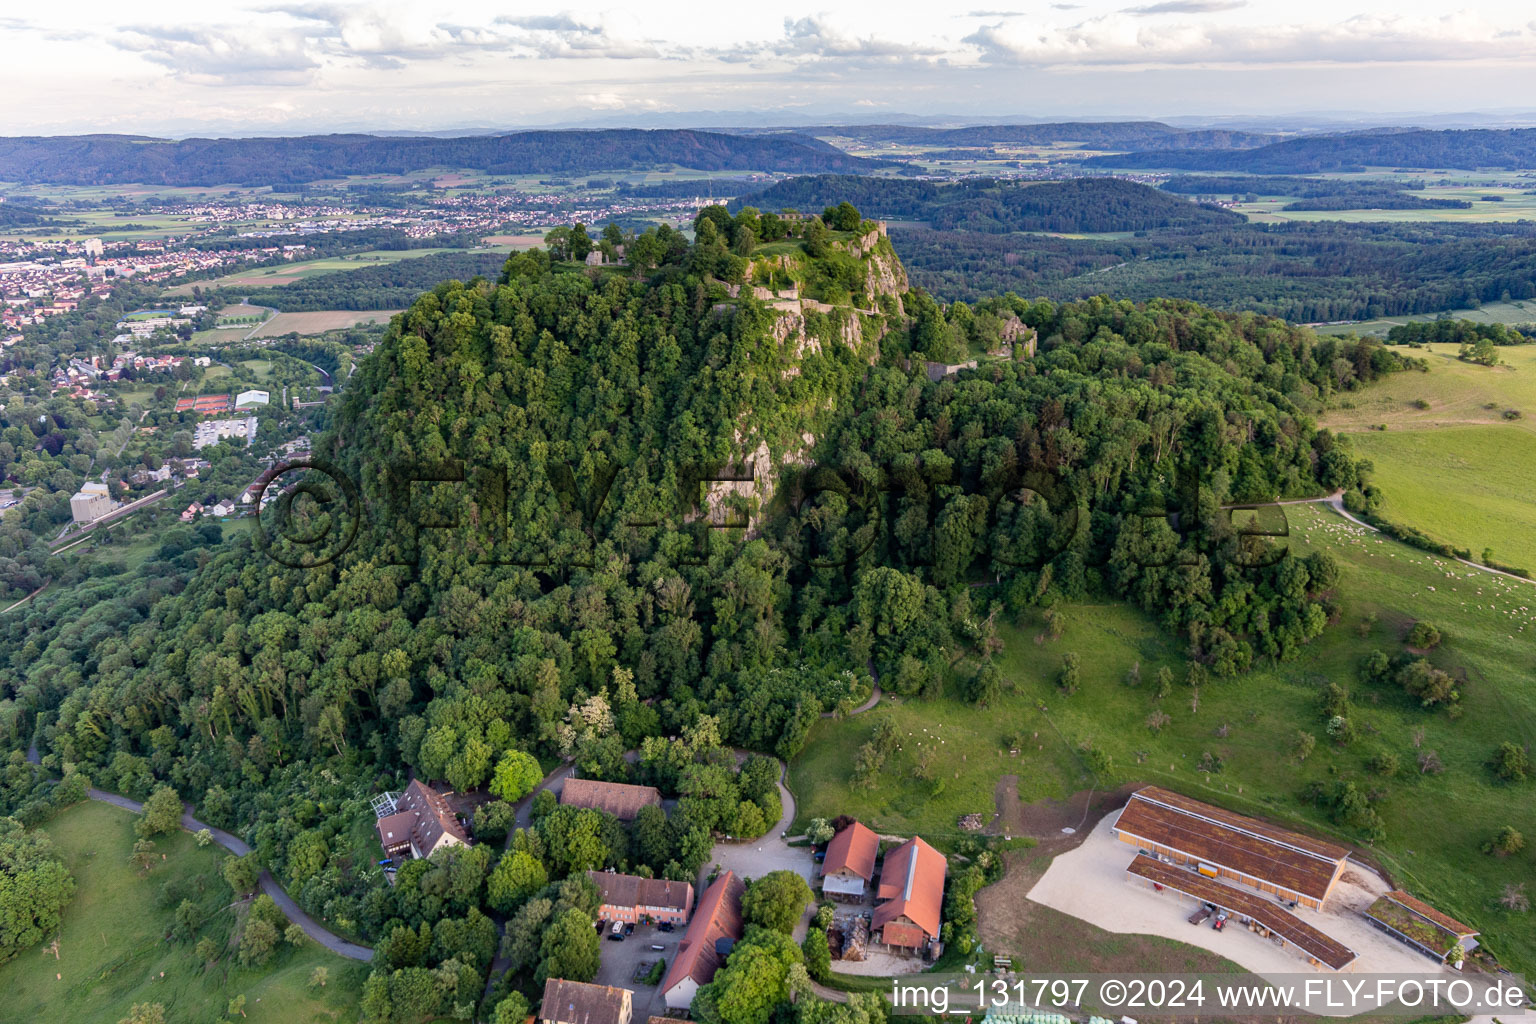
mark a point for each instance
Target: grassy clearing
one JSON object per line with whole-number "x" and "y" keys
{"x": 1250, "y": 725}
{"x": 1470, "y": 486}
{"x": 113, "y": 951}
{"x": 1457, "y": 394}
{"x": 287, "y": 273}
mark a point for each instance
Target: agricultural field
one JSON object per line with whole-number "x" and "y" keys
{"x": 267, "y": 277}
{"x": 1511, "y": 314}
{"x": 1456, "y": 393}
{"x": 1232, "y": 741}
{"x": 320, "y": 321}
{"x": 1512, "y": 204}
{"x": 113, "y": 952}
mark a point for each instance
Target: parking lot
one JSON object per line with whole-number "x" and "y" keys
{"x": 621, "y": 959}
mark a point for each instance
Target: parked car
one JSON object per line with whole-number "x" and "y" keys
{"x": 665, "y": 926}
{"x": 629, "y": 929}
{"x": 618, "y": 932}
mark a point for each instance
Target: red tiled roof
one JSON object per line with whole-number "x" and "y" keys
{"x": 912, "y": 884}
{"x": 718, "y": 916}
{"x": 853, "y": 849}
{"x": 1245, "y": 903}
{"x": 1287, "y": 859}
{"x": 633, "y": 891}
{"x": 619, "y": 799}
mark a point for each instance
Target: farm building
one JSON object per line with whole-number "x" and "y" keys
{"x": 911, "y": 896}
{"x": 1263, "y": 916}
{"x": 849, "y": 866}
{"x": 1221, "y": 844}
{"x": 633, "y": 899}
{"x": 716, "y": 926}
{"x": 421, "y": 823}
{"x": 576, "y": 1002}
{"x": 1412, "y": 921}
{"x": 619, "y": 799}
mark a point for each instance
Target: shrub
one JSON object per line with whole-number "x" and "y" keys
{"x": 1423, "y": 636}
{"x": 1505, "y": 842}
{"x": 1510, "y": 762}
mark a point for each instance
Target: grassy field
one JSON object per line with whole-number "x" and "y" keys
{"x": 320, "y": 321}
{"x": 1508, "y": 313}
{"x": 267, "y": 277}
{"x": 1470, "y": 486}
{"x": 113, "y": 950}
{"x": 1512, "y": 205}
{"x": 1249, "y": 724}
{"x": 1457, "y": 393}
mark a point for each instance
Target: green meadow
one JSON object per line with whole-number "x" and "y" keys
{"x": 1232, "y": 741}
{"x": 113, "y": 949}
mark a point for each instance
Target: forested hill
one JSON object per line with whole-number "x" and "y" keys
{"x": 993, "y": 206}
{"x": 1466, "y": 149}
{"x": 120, "y": 159}
{"x": 1094, "y": 134}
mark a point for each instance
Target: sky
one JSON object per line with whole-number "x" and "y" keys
{"x": 169, "y": 67}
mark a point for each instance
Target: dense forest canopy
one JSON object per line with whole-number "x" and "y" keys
{"x": 120, "y": 159}
{"x": 995, "y": 207}
{"x": 1468, "y": 149}
{"x": 657, "y": 507}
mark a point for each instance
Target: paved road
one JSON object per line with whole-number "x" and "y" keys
{"x": 235, "y": 845}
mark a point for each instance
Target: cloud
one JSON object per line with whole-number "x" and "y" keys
{"x": 1066, "y": 7}
{"x": 814, "y": 37}
{"x": 215, "y": 54}
{"x": 1186, "y": 7}
{"x": 1127, "y": 40}
{"x": 995, "y": 14}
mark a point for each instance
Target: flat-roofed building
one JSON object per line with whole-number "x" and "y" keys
{"x": 1220, "y": 844}
{"x": 1273, "y": 921}
{"x": 1412, "y": 921}
{"x": 92, "y": 502}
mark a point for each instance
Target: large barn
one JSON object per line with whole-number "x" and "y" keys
{"x": 1220, "y": 844}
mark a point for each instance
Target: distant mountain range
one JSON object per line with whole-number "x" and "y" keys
{"x": 124, "y": 159}
{"x": 1460, "y": 150}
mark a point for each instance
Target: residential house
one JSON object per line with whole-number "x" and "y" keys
{"x": 633, "y": 899}
{"x": 576, "y": 1002}
{"x": 421, "y": 824}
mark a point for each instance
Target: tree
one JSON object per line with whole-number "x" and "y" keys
{"x": 143, "y": 855}
{"x": 1510, "y": 762}
{"x": 257, "y": 941}
{"x": 776, "y": 901}
{"x": 569, "y": 949}
{"x": 819, "y": 831}
{"x": 514, "y": 1009}
{"x": 319, "y": 976}
{"x": 515, "y": 776}
{"x": 241, "y": 873}
{"x": 203, "y": 838}
{"x": 1067, "y": 678}
{"x": 206, "y": 950}
{"x": 145, "y": 1013}
{"x": 236, "y": 1005}
{"x": 162, "y": 813}
{"x": 517, "y": 876}
{"x": 1303, "y": 745}
{"x": 35, "y": 887}
{"x": 1423, "y": 636}
{"x": 294, "y": 935}
{"x": 818, "y": 956}
{"x": 1514, "y": 897}
{"x": 1506, "y": 842}
{"x": 753, "y": 982}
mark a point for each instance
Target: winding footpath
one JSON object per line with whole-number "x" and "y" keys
{"x": 235, "y": 845}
